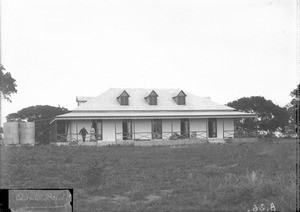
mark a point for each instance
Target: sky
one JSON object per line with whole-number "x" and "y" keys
{"x": 226, "y": 49}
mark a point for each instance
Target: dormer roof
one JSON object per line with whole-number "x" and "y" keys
{"x": 153, "y": 93}
{"x": 124, "y": 93}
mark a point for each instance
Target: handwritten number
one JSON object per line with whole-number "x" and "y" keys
{"x": 272, "y": 207}
{"x": 261, "y": 208}
{"x": 255, "y": 208}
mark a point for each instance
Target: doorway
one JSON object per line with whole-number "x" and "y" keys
{"x": 156, "y": 129}
{"x": 212, "y": 128}
{"x": 185, "y": 128}
{"x": 127, "y": 130}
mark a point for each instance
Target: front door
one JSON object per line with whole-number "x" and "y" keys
{"x": 184, "y": 128}
{"x": 156, "y": 129}
{"x": 127, "y": 130}
{"x": 212, "y": 128}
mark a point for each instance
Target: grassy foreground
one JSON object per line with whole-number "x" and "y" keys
{"x": 205, "y": 177}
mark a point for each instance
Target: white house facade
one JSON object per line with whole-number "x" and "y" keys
{"x": 122, "y": 115}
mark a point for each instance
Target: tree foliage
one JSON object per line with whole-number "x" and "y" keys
{"x": 293, "y": 109}
{"x": 41, "y": 115}
{"x": 293, "y": 105}
{"x": 270, "y": 117}
{"x": 7, "y": 84}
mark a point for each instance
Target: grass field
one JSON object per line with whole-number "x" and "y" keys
{"x": 206, "y": 177}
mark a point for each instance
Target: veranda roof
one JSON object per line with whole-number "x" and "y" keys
{"x": 152, "y": 115}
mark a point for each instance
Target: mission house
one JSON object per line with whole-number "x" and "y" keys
{"x": 120, "y": 115}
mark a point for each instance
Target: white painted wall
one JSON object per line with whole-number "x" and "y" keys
{"x": 198, "y": 125}
{"x": 142, "y": 125}
{"x": 119, "y": 126}
{"x": 142, "y": 128}
{"x": 166, "y": 125}
{"x": 176, "y": 125}
{"x": 108, "y": 130}
{"x": 219, "y": 128}
{"x": 145, "y": 126}
{"x": 73, "y": 130}
{"x": 228, "y": 125}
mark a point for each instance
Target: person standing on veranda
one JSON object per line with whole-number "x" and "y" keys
{"x": 83, "y": 133}
{"x": 92, "y": 134}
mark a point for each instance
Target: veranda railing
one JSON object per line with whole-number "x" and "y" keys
{"x": 75, "y": 137}
{"x": 162, "y": 135}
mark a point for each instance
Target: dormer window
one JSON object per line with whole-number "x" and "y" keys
{"x": 152, "y": 98}
{"x": 123, "y": 98}
{"x": 180, "y": 98}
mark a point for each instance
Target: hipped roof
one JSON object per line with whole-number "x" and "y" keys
{"x": 107, "y": 101}
{"x": 106, "y": 106}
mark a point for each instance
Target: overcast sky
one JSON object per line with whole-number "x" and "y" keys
{"x": 225, "y": 49}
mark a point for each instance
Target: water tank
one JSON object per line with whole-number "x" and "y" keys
{"x": 26, "y": 132}
{"x": 11, "y": 133}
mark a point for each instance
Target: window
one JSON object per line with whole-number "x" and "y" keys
{"x": 156, "y": 129}
{"x": 212, "y": 128}
{"x": 180, "y": 98}
{"x": 127, "y": 130}
{"x": 185, "y": 128}
{"x": 123, "y": 98}
{"x": 152, "y": 100}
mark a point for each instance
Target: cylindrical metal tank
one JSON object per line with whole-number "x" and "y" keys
{"x": 11, "y": 133}
{"x": 27, "y": 132}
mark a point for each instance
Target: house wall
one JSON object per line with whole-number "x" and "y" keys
{"x": 219, "y": 128}
{"x": 176, "y": 125}
{"x": 73, "y": 130}
{"x": 142, "y": 125}
{"x": 166, "y": 125}
{"x": 198, "y": 124}
{"x": 228, "y": 127}
{"x": 108, "y": 129}
{"x": 142, "y": 128}
{"x": 119, "y": 126}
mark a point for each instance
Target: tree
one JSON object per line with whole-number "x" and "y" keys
{"x": 270, "y": 117}
{"x": 7, "y": 84}
{"x": 293, "y": 108}
{"x": 41, "y": 115}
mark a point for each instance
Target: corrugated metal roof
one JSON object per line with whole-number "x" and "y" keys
{"x": 108, "y": 101}
{"x": 145, "y": 117}
{"x": 152, "y": 115}
{"x": 106, "y": 106}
